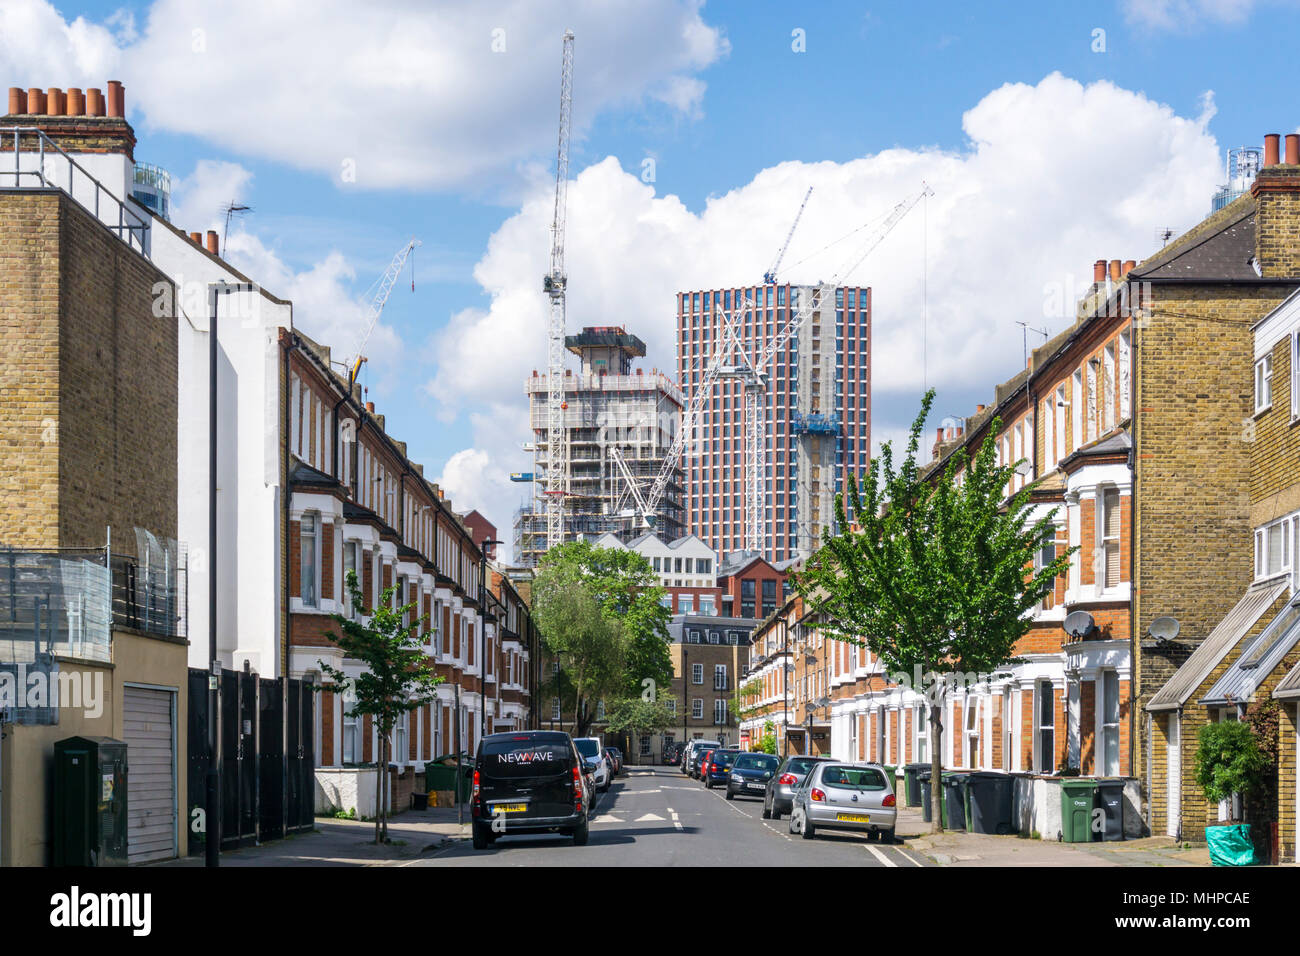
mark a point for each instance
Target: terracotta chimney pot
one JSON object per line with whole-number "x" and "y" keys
{"x": 1270, "y": 149}
{"x": 214, "y": 242}
{"x": 1293, "y": 149}
{"x": 76, "y": 102}
{"x": 35, "y": 102}
{"x": 54, "y": 101}
{"x": 17, "y": 101}
{"x": 94, "y": 101}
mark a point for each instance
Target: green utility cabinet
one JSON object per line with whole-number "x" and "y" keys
{"x": 1078, "y": 797}
{"x": 89, "y": 802}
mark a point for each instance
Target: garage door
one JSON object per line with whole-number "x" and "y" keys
{"x": 151, "y": 777}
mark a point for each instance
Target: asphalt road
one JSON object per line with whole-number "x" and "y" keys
{"x": 655, "y": 816}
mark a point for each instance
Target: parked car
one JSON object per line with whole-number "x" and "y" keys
{"x": 672, "y": 755}
{"x": 845, "y": 796}
{"x": 717, "y": 769}
{"x": 696, "y": 750}
{"x": 750, "y": 774}
{"x": 616, "y": 756}
{"x": 594, "y": 754}
{"x": 529, "y": 781}
{"x": 779, "y": 797}
{"x": 700, "y": 761}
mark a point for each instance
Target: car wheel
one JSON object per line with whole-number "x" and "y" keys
{"x": 776, "y": 814}
{"x": 767, "y": 814}
{"x": 605, "y": 789}
{"x": 887, "y": 836}
{"x": 730, "y": 794}
{"x": 480, "y": 838}
{"x": 580, "y": 834}
{"x": 807, "y": 831}
{"x": 792, "y": 826}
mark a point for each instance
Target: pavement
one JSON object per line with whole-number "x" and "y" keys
{"x": 337, "y": 842}
{"x": 959, "y": 848}
{"x": 655, "y": 816}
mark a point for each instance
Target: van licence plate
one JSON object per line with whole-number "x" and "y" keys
{"x": 852, "y": 818}
{"x": 509, "y": 807}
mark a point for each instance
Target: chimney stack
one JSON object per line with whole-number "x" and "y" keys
{"x": 1129, "y": 266}
{"x": 17, "y": 101}
{"x": 370, "y": 407}
{"x": 1270, "y": 149}
{"x": 1114, "y": 269}
{"x": 76, "y": 102}
{"x": 54, "y": 102}
{"x": 1293, "y": 149}
{"x": 1099, "y": 271}
{"x": 116, "y": 99}
{"x": 94, "y": 101}
{"x": 214, "y": 242}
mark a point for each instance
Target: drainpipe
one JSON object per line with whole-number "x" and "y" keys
{"x": 1134, "y": 644}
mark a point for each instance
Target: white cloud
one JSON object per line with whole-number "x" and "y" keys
{"x": 1054, "y": 176}
{"x": 1177, "y": 15}
{"x": 199, "y": 200}
{"x": 472, "y": 479}
{"x": 397, "y": 91}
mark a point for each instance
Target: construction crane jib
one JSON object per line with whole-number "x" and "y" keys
{"x": 755, "y": 394}
{"x": 554, "y": 284}
{"x": 386, "y": 282}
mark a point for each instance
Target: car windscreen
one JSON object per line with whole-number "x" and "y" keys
{"x": 852, "y": 778}
{"x": 510, "y": 759}
{"x": 723, "y": 758}
{"x": 802, "y": 764}
{"x": 756, "y": 762}
{"x": 587, "y": 747}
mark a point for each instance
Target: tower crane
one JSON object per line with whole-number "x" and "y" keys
{"x": 754, "y": 372}
{"x": 386, "y": 281}
{"x": 756, "y": 390}
{"x": 554, "y": 285}
{"x": 769, "y": 277}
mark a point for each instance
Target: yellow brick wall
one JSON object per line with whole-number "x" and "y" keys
{"x": 88, "y": 424}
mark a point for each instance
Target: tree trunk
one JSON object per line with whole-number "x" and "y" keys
{"x": 936, "y": 768}
{"x": 379, "y": 787}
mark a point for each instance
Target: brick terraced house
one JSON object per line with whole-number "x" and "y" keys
{"x": 309, "y": 482}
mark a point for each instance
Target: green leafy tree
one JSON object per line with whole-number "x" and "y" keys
{"x": 600, "y": 614}
{"x": 634, "y": 716}
{"x": 767, "y": 742}
{"x": 935, "y": 577}
{"x": 397, "y": 677}
{"x": 1228, "y": 760}
{"x": 746, "y": 692}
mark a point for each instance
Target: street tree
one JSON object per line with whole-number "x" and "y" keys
{"x": 601, "y": 614}
{"x": 934, "y": 576}
{"x": 636, "y": 716}
{"x": 396, "y": 676}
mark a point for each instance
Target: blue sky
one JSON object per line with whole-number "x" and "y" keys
{"x": 735, "y": 121}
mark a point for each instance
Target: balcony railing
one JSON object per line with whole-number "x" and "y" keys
{"x": 39, "y": 163}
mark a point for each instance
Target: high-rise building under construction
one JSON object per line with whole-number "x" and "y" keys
{"x": 608, "y": 405}
{"x": 817, "y": 419}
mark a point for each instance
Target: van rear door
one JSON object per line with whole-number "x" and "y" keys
{"x": 523, "y": 776}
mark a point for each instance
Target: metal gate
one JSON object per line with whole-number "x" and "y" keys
{"x": 266, "y": 754}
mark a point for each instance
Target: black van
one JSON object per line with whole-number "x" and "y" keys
{"x": 529, "y": 781}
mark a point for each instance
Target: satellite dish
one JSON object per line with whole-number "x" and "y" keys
{"x": 1163, "y": 628}
{"x": 1079, "y": 624}
{"x": 1026, "y": 467}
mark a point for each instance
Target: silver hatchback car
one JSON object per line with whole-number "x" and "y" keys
{"x": 845, "y": 796}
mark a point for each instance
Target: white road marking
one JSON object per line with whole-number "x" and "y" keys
{"x": 646, "y": 817}
{"x": 677, "y": 823}
{"x": 908, "y": 857}
{"x": 876, "y": 852}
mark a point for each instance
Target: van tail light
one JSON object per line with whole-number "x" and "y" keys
{"x": 889, "y": 801}
{"x": 787, "y": 780}
{"x": 577, "y": 789}
{"x": 818, "y": 796}
{"x": 473, "y": 799}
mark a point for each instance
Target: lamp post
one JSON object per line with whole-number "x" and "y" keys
{"x": 482, "y": 657}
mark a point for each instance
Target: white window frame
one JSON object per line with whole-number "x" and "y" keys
{"x": 920, "y": 734}
{"x": 1059, "y": 409}
{"x": 719, "y": 676}
{"x": 697, "y": 674}
{"x": 1263, "y": 384}
{"x": 697, "y": 708}
{"x": 351, "y": 749}
{"x": 720, "y": 711}
{"x": 1040, "y": 728}
{"x": 1125, "y": 374}
{"x": 1286, "y": 528}
{"x": 971, "y": 726}
{"x": 1108, "y": 728}
{"x": 1105, "y": 542}
{"x": 315, "y": 537}
{"x": 1076, "y": 408}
